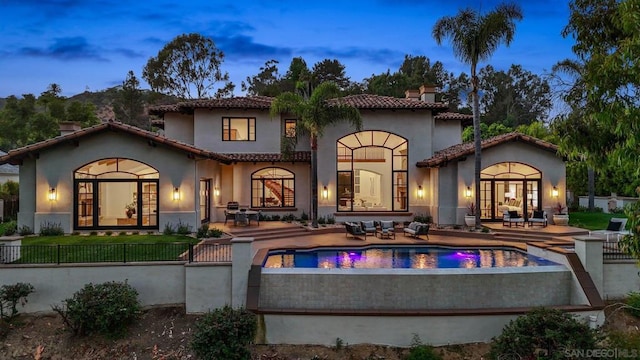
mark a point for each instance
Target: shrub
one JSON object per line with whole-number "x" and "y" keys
{"x": 331, "y": 220}
{"x": 108, "y": 233}
{"x": 93, "y": 233}
{"x": 633, "y": 303}
{"x": 224, "y": 333}
{"x": 51, "y": 229}
{"x": 550, "y": 331}
{"x": 105, "y": 309}
{"x": 426, "y": 219}
{"x": 8, "y": 228}
{"x": 183, "y": 229}
{"x": 304, "y": 216}
{"x": 419, "y": 351}
{"x": 275, "y": 217}
{"x": 203, "y": 231}
{"x": 25, "y": 230}
{"x": 10, "y": 296}
{"x": 121, "y": 233}
{"x": 215, "y": 233}
{"x": 322, "y": 220}
{"x": 169, "y": 229}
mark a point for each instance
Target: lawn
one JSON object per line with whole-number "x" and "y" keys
{"x": 592, "y": 220}
{"x": 94, "y": 248}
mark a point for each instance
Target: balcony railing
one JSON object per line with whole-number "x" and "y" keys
{"x": 611, "y": 251}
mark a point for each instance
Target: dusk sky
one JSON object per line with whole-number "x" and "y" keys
{"x": 92, "y": 45}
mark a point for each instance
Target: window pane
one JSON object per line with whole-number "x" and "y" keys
{"x": 273, "y": 187}
{"x": 85, "y": 204}
{"x": 290, "y": 128}
{"x": 345, "y": 190}
{"x": 149, "y": 204}
{"x": 117, "y": 204}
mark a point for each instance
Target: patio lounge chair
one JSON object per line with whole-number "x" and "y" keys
{"x": 387, "y": 229}
{"x": 538, "y": 218}
{"x": 415, "y": 229}
{"x": 355, "y": 230}
{"x": 512, "y": 217}
{"x": 369, "y": 227}
{"x": 228, "y": 216}
{"x": 615, "y": 229}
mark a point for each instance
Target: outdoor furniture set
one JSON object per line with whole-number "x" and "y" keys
{"x": 512, "y": 217}
{"x": 384, "y": 229}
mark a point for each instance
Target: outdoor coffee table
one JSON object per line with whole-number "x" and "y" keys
{"x": 388, "y": 233}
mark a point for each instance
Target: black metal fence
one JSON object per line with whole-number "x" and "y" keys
{"x": 612, "y": 251}
{"x": 114, "y": 253}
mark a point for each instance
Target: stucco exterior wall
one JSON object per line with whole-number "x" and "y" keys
{"x": 446, "y": 133}
{"x": 207, "y": 287}
{"x": 55, "y": 168}
{"x": 208, "y": 132}
{"x": 619, "y": 278}
{"x": 179, "y": 127}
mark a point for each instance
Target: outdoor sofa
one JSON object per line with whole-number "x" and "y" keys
{"x": 415, "y": 229}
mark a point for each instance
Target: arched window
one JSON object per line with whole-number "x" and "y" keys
{"x": 116, "y": 193}
{"x": 372, "y": 172}
{"x": 273, "y": 187}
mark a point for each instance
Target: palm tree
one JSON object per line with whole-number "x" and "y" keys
{"x": 475, "y": 37}
{"x": 314, "y": 113}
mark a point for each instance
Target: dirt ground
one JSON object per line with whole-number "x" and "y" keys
{"x": 164, "y": 334}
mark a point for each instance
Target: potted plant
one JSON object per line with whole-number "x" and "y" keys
{"x": 560, "y": 217}
{"x": 470, "y": 217}
{"x": 130, "y": 209}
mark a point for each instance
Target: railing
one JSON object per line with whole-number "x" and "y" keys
{"x": 611, "y": 251}
{"x": 114, "y": 253}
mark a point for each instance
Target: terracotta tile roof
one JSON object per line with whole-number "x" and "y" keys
{"x": 369, "y": 101}
{"x": 361, "y": 101}
{"x": 245, "y": 102}
{"x": 298, "y": 156}
{"x": 15, "y": 156}
{"x": 457, "y": 151}
{"x": 7, "y": 168}
{"x": 453, "y": 116}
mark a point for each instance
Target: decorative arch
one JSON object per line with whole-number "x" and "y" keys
{"x": 510, "y": 186}
{"x": 273, "y": 187}
{"x": 372, "y": 172}
{"x": 116, "y": 193}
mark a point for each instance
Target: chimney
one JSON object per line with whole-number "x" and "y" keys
{"x": 428, "y": 93}
{"x": 67, "y": 127}
{"x": 412, "y": 94}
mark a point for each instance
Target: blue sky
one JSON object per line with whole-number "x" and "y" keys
{"x": 93, "y": 44}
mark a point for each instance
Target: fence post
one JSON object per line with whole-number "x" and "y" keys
{"x": 58, "y": 255}
{"x": 589, "y": 250}
{"x": 124, "y": 252}
{"x": 241, "y": 256}
{"x": 190, "y": 253}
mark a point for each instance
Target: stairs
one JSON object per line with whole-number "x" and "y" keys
{"x": 533, "y": 235}
{"x": 270, "y": 233}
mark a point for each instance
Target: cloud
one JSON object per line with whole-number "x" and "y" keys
{"x": 378, "y": 56}
{"x": 67, "y": 48}
{"x": 129, "y": 53}
{"x": 242, "y": 47}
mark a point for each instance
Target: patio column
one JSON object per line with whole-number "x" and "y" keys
{"x": 589, "y": 250}
{"x": 241, "y": 257}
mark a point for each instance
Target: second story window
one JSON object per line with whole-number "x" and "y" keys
{"x": 290, "y": 128}
{"x": 238, "y": 129}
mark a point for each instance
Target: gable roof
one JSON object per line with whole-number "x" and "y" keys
{"x": 8, "y": 168}
{"x": 455, "y": 152}
{"x": 361, "y": 101}
{"x": 16, "y": 156}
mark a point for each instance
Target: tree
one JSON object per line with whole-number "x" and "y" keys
{"x": 188, "y": 65}
{"x": 513, "y": 98}
{"x": 330, "y": 71}
{"x": 315, "y": 111}
{"x": 267, "y": 83}
{"x": 475, "y": 37}
{"x": 128, "y": 105}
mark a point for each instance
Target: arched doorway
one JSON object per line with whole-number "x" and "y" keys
{"x": 273, "y": 187}
{"x": 509, "y": 186}
{"x": 372, "y": 172}
{"x": 115, "y": 193}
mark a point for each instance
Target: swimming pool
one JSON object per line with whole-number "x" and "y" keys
{"x": 403, "y": 257}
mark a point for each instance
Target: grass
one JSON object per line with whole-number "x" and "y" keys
{"x": 592, "y": 220}
{"x": 93, "y": 248}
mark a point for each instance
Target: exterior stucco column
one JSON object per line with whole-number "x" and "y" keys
{"x": 242, "y": 256}
{"x": 589, "y": 250}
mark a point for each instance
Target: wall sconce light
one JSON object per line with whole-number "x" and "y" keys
{"x": 420, "y": 192}
{"x": 176, "y": 193}
{"x": 467, "y": 192}
{"x": 53, "y": 196}
{"x": 216, "y": 191}
{"x": 554, "y": 192}
{"x": 325, "y": 193}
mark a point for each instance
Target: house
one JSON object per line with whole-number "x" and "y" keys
{"x": 407, "y": 160}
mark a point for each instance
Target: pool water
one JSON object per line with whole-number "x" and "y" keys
{"x": 401, "y": 257}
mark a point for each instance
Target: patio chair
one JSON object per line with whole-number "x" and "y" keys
{"x": 229, "y": 216}
{"x": 355, "y": 230}
{"x": 615, "y": 228}
{"x": 512, "y": 217}
{"x": 369, "y": 227}
{"x": 387, "y": 229}
{"x": 415, "y": 229}
{"x": 539, "y": 217}
{"x": 241, "y": 218}
{"x": 233, "y": 205}
{"x": 254, "y": 216}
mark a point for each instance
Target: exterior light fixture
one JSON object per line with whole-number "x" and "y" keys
{"x": 420, "y": 192}
{"x": 216, "y": 191}
{"x": 467, "y": 192}
{"x": 53, "y": 196}
{"x": 325, "y": 193}
{"x": 554, "y": 192}
{"x": 176, "y": 193}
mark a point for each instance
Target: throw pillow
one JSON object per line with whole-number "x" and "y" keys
{"x": 413, "y": 225}
{"x": 538, "y": 214}
{"x": 386, "y": 224}
{"x": 513, "y": 214}
{"x": 367, "y": 224}
{"x": 614, "y": 225}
